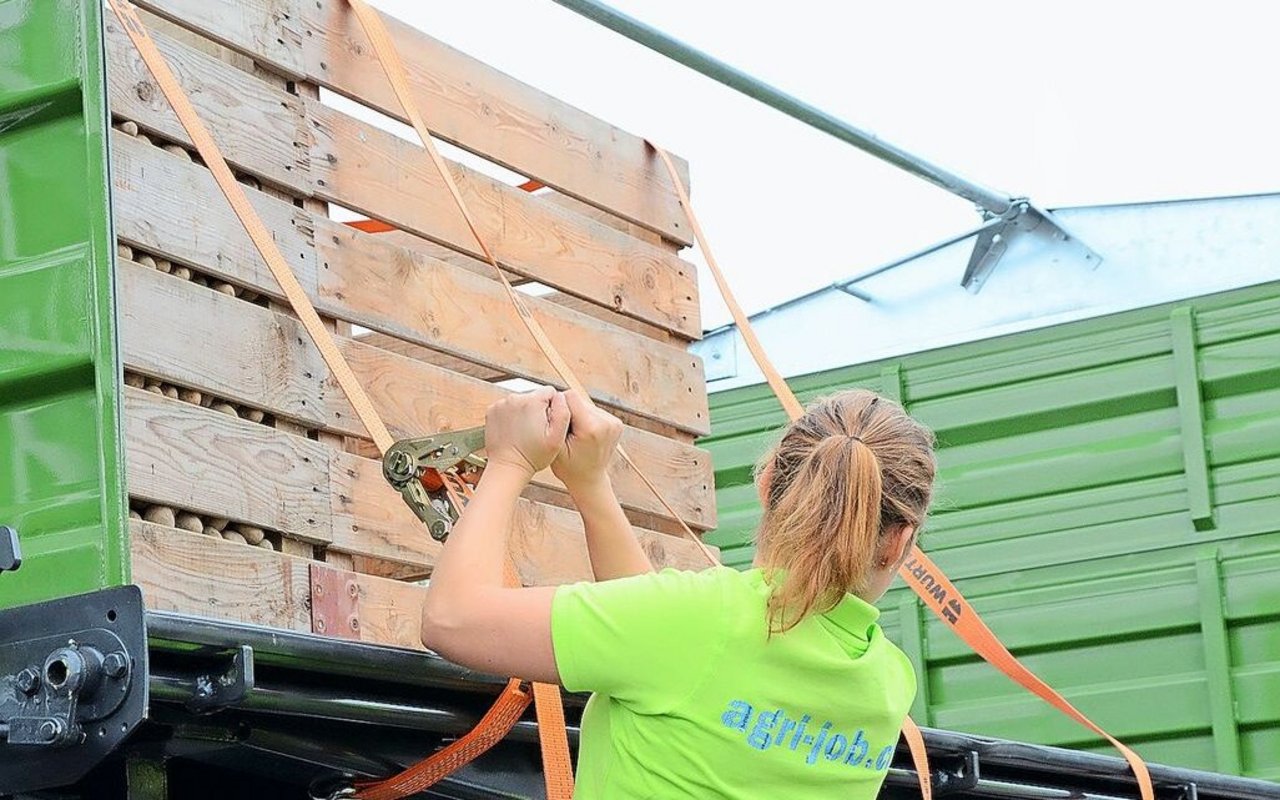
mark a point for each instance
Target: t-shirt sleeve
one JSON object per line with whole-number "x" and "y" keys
{"x": 646, "y": 640}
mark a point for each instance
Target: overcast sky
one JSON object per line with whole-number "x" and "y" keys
{"x": 1070, "y": 103}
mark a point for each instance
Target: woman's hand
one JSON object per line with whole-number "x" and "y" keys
{"x": 526, "y": 431}
{"x": 589, "y": 447}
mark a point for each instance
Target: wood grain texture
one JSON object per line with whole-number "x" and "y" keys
{"x": 547, "y": 543}
{"x": 262, "y": 358}
{"x": 171, "y": 207}
{"x": 384, "y": 287}
{"x": 195, "y": 458}
{"x": 417, "y": 399}
{"x": 464, "y": 101}
{"x": 377, "y": 173}
{"x": 373, "y": 283}
{"x": 318, "y": 151}
{"x": 259, "y": 127}
{"x": 208, "y": 577}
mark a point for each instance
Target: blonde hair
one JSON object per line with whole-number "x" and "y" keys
{"x": 844, "y": 475}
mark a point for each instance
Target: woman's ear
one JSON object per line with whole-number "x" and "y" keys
{"x": 899, "y": 545}
{"x": 764, "y": 479}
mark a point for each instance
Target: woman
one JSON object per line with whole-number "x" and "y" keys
{"x": 772, "y": 683}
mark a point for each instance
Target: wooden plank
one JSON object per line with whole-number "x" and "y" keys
{"x": 417, "y": 399}
{"x": 546, "y": 542}
{"x": 206, "y": 576}
{"x": 190, "y": 457}
{"x": 316, "y": 150}
{"x": 377, "y": 285}
{"x": 465, "y": 102}
{"x": 194, "y": 458}
{"x": 384, "y": 287}
{"x": 264, "y": 359}
{"x": 267, "y": 361}
{"x": 429, "y": 356}
{"x": 377, "y": 173}
{"x": 259, "y": 127}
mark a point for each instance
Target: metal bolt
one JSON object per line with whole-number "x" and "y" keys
{"x": 320, "y": 626}
{"x": 50, "y": 729}
{"x": 352, "y": 589}
{"x": 115, "y": 665}
{"x": 354, "y": 622}
{"x": 28, "y": 681}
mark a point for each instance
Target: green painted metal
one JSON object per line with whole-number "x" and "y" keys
{"x": 61, "y": 463}
{"x": 1073, "y": 512}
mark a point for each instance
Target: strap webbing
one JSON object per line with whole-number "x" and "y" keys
{"x": 920, "y": 573}
{"x": 385, "y": 52}
{"x": 495, "y": 725}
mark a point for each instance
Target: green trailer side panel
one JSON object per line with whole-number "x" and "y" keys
{"x": 61, "y": 462}
{"x": 1109, "y": 499}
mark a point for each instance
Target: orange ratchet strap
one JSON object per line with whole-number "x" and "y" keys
{"x": 554, "y": 740}
{"x": 919, "y": 571}
{"x": 511, "y": 704}
{"x": 387, "y": 55}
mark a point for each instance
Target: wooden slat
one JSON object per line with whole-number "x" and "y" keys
{"x": 208, "y": 577}
{"x": 318, "y": 151}
{"x": 266, "y": 360}
{"x": 373, "y": 283}
{"x": 204, "y": 575}
{"x": 195, "y": 458}
{"x": 416, "y": 399}
{"x": 420, "y": 353}
{"x": 191, "y": 457}
{"x": 386, "y": 288}
{"x": 464, "y": 101}
{"x": 546, "y": 542}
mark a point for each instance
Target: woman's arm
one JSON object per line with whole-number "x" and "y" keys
{"x": 469, "y": 616}
{"x": 582, "y": 466}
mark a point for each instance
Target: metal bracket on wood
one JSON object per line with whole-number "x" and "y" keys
{"x": 959, "y": 775}
{"x": 335, "y": 602}
{"x": 218, "y": 690}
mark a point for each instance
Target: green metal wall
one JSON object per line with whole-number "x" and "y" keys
{"x": 1109, "y": 499}
{"x": 60, "y": 456}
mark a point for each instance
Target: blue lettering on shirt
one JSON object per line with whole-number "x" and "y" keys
{"x": 775, "y": 727}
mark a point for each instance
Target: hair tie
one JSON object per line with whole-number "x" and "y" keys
{"x": 853, "y": 438}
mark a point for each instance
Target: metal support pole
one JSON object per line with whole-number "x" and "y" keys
{"x": 989, "y": 199}
{"x": 1005, "y": 217}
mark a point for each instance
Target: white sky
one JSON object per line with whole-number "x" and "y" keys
{"x": 1070, "y": 103}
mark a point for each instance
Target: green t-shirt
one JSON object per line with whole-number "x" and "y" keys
{"x": 693, "y": 699}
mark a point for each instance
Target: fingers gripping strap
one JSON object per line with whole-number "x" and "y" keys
{"x": 387, "y": 55}
{"x": 920, "y": 573}
{"x": 511, "y": 704}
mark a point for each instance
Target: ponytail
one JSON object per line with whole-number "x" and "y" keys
{"x": 831, "y": 498}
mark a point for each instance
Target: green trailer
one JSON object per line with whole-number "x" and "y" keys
{"x": 1109, "y": 500}
{"x": 103, "y": 695}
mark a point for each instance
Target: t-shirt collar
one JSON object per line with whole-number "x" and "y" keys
{"x": 855, "y": 615}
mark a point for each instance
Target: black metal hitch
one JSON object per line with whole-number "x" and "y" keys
{"x": 73, "y": 685}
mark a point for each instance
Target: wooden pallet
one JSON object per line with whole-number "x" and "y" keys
{"x": 251, "y": 481}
